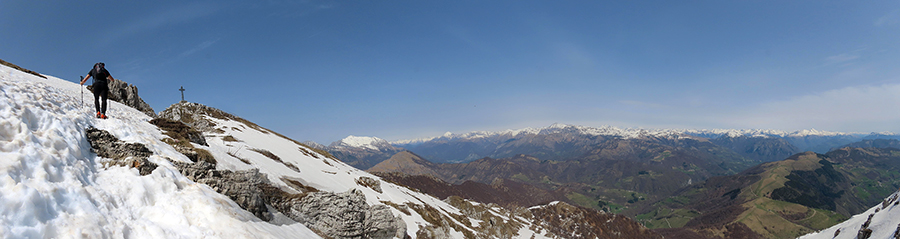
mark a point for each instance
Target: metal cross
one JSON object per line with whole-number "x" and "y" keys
{"x": 182, "y": 93}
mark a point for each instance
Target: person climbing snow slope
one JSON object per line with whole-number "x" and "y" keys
{"x": 100, "y": 87}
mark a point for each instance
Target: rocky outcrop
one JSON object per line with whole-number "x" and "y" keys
{"x": 179, "y": 131}
{"x": 181, "y": 136}
{"x": 244, "y": 187}
{"x": 118, "y": 152}
{"x": 336, "y": 215}
{"x": 369, "y": 183}
{"x": 192, "y": 114}
{"x": 346, "y": 215}
{"x": 122, "y": 92}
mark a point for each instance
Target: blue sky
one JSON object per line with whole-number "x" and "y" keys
{"x": 322, "y": 70}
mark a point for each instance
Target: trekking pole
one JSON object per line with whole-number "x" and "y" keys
{"x": 82, "y": 90}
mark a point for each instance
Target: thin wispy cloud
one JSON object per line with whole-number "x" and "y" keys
{"x": 158, "y": 20}
{"x": 844, "y": 59}
{"x": 202, "y": 46}
{"x": 892, "y": 18}
{"x": 841, "y": 58}
{"x": 295, "y": 9}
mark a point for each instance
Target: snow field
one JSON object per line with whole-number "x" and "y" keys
{"x": 316, "y": 171}
{"x": 884, "y": 224}
{"x": 53, "y": 186}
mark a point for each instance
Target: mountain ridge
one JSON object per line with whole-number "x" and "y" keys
{"x": 607, "y": 130}
{"x": 756, "y": 144}
{"x": 59, "y": 185}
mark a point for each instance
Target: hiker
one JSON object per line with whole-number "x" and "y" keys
{"x": 100, "y": 87}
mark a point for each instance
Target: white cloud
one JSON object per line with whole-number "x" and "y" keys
{"x": 891, "y": 18}
{"x": 200, "y": 47}
{"x": 845, "y": 58}
{"x": 857, "y": 108}
{"x": 841, "y": 58}
{"x": 174, "y": 15}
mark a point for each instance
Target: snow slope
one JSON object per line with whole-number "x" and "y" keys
{"x": 237, "y": 145}
{"x": 53, "y": 186}
{"x": 884, "y": 224}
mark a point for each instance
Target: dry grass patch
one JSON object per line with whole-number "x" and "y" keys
{"x": 402, "y": 208}
{"x": 229, "y": 138}
{"x": 14, "y": 66}
{"x": 307, "y": 153}
{"x": 272, "y": 156}
{"x": 204, "y": 155}
{"x": 436, "y": 218}
{"x": 298, "y": 185}
{"x": 268, "y": 154}
{"x": 239, "y": 158}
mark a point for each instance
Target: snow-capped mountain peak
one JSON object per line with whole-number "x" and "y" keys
{"x": 373, "y": 143}
{"x": 553, "y": 129}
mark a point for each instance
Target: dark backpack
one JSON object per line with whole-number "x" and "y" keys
{"x": 98, "y": 67}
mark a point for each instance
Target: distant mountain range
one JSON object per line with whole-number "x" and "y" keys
{"x": 602, "y": 172}
{"x": 359, "y": 152}
{"x": 549, "y": 143}
{"x": 684, "y": 183}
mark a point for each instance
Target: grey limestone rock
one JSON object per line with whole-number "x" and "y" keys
{"x": 372, "y": 183}
{"x": 192, "y": 114}
{"x": 337, "y": 215}
{"x": 120, "y": 153}
{"x": 347, "y": 215}
{"x": 243, "y": 187}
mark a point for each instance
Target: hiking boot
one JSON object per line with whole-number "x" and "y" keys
{"x": 103, "y": 116}
{"x": 99, "y": 114}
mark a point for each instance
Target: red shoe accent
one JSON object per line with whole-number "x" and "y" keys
{"x": 103, "y": 116}
{"x": 99, "y": 114}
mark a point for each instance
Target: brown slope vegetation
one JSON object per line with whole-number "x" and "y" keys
{"x": 364, "y": 158}
{"x": 506, "y": 193}
{"x": 559, "y": 218}
{"x": 612, "y": 174}
{"x": 407, "y": 168}
{"x": 580, "y": 222}
{"x": 784, "y": 199}
{"x": 406, "y": 162}
{"x": 617, "y": 171}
